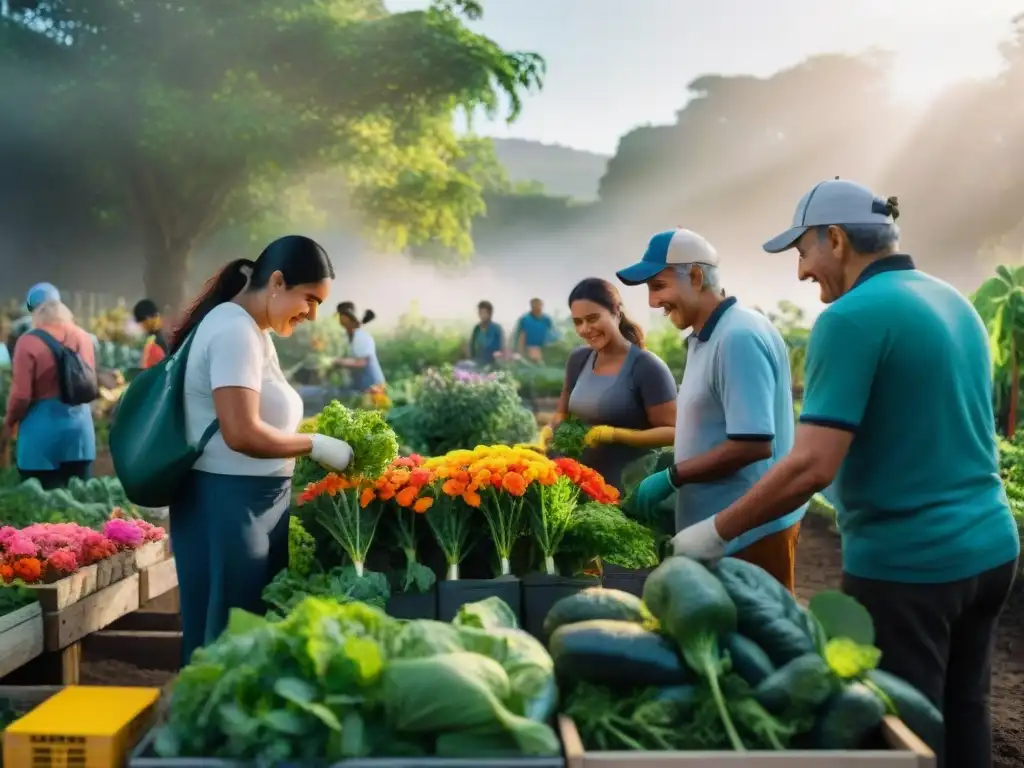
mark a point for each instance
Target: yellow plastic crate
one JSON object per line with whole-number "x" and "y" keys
{"x": 81, "y": 727}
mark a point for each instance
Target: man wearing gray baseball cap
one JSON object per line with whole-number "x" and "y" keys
{"x": 898, "y": 412}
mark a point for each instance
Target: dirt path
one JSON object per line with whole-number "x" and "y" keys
{"x": 819, "y": 567}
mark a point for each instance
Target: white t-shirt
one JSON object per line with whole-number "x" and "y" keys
{"x": 229, "y": 350}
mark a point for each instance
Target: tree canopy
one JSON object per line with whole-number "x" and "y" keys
{"x": 180, "y": 118}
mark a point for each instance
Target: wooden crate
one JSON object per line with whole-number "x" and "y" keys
{"x": 157, "y": 580}
{"x": 88, "y": 580}
{"x": 21, "y": 637}
{"x": 67, "y": 626}
{"x": 151, "y": 554}
{"x": 907, "y": 751}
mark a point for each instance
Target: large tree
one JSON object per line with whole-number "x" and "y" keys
{"x": 186, "y": 117}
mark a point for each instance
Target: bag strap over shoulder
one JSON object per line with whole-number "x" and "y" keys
{"x": 182, "y": 354}
{"x": 55, "y": 346}
{"x": 208, "y": 435}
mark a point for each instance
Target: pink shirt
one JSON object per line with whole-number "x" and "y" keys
{"x": 35, "y": 369}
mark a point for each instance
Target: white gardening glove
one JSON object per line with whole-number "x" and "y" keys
{"x": 701, "y": 542}
{"x": 331, "y": 452}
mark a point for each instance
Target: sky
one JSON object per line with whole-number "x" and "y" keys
{"x": 616, "y": 64}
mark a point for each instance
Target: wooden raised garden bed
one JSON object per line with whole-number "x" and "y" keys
{"x": 21, "y": 637}
{"x": 906, "y": 751}
{"x": 157, "y": 580}
{"x": 91, "y": 614}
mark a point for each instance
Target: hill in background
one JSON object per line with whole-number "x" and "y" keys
{"x": 564, "y": 171}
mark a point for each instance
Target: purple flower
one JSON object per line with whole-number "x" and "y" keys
{"x": 123, "y": 533}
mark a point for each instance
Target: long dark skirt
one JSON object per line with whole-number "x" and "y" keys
{"x": 230, "y": 537}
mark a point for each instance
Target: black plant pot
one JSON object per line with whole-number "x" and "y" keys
{"x": 541, "y": 591}
{"x": 626, "y": 579}
{"x": 413, "y": 605}
{"x": 455, "y": 593}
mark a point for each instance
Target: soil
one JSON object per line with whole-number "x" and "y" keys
{"x": 819, "y": 567}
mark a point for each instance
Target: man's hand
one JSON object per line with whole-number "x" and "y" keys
{"x": 652, "y": 491}
{"x": 700, "y": 541}
{"x": 599, "y": 435}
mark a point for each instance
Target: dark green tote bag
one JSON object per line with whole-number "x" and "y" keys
{"x": 148, "y": 443}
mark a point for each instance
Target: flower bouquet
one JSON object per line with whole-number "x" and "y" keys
{"x": 342, "y": 507}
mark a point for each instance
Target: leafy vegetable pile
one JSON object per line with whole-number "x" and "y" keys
{"x": 86, "y": 503}
{"x": 725, "y": 659}
{"x": 13, "y": 598}
{"x": 374, "y": 444}
{"x": 333, "y": 681}
{"x": 568, "y": 438}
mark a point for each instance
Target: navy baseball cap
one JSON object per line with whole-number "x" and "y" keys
{"x": 40, "y": 293}
{"x": 835, "y": 201}
{"x": 675, "y": 246}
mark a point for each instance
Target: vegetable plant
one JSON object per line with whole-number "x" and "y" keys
{"x": 568, "y": 438}
{"x": 551, "y": 517}
{"x": 343, "y": 508}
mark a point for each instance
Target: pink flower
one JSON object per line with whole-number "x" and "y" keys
{"x": 20, "y": 546}
{"x": 124, "y": 533}
{"x": 63, "y": 561}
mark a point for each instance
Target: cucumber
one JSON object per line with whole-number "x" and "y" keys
{"x": 802, "y": 685}
{"x": 749, "y": 660}
{"x": 849, "y": 718}
{"x": 683, "y": 697}
{"x": 596, "y": 603}
{"x": 913, "y": 708}
{"x": 616, "y": 654}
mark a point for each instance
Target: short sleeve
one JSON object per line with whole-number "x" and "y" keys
{"x": 362, "y": 344}
{"x": 839, "y": 372}
{"x": 654, "y": 380}
{"x": 747, "y": 381}
{"x": 236, "y": 351}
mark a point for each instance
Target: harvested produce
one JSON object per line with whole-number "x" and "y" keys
{"x": 761, "y": 671}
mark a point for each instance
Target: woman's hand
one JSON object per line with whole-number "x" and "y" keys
{"x": 331, "y": 452}
{"x": 600, "y": 435}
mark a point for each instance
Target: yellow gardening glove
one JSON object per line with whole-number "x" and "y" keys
{"x": 545, "y": 437}
{"x": 599, "y": 435}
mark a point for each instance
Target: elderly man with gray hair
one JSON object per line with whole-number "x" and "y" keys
{"x": 898, "y": 411}
{"x": 734, "y": 411}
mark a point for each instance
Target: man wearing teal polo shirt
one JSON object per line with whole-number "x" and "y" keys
{"x": 734, "y": 411}
{"x": 898, "y": 410}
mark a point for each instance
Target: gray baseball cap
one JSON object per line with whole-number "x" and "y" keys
{"x": 835, "y": 201}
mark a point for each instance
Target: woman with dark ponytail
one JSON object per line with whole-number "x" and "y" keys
{"x": 229, "y": 521}
{"x": 362, "y": 361}
{"x": 614, "y": 384}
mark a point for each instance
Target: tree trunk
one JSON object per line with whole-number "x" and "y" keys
{"x": 1011, "y": 419}
{"x": 164, "y": 277}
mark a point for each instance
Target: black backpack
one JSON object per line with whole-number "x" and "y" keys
{"x": 78, "y": 382}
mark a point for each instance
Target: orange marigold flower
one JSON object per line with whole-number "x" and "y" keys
{"x": 28, "y": 569}
{"x": 386, "y": 493}
{"x": 366, "y": 497}
{"x": 472, "y": 499}
{"x": 419, "y": 477}
{"x": 6, "y": 573}
{"x": 406, "y": 497}
{"x": 423, "y": 504}
{"x": 453, "y": 487}
{"x": 514, "y": 483}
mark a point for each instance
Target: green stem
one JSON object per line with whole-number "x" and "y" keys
{"x": 701, "y": 653}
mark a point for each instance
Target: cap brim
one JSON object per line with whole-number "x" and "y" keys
{"x": 785, "y": 241}
{"x": 639, "y": 273}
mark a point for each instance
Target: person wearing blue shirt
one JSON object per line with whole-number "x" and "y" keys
{"x": 534, "y": 331}
{"x": 898, "y": 411}
{"x": 487, "y": 341}
{"x": 734, "y": 411}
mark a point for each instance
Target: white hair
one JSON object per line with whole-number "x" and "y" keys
{"x": 709, "y": 272}
{"x": 51, "y": 313}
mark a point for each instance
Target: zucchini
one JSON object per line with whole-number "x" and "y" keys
{"x": 684, "y": 697}
{"x": 914, "y": 708}
{"x": 802, "y": 685}
{"x": 616, "y": 654}
{"x": 749, "y": 660}
{"x": 849, "y": 718}
{"x": 693, "y": 607}
{"x": 596, "y": 603}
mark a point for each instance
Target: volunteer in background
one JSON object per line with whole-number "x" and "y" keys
{"x": 534, "y": 331}
{"x": 734, "y": 414}
{"x": 230, "y": 521}
{"x": 362, "y": 362}
{"x": 155, "y": 348}
{"x": 487, "y": 341}
{"x": 898, "y": 409}
{"x": 616, "y": 385}
{"x": 56, "y": 441}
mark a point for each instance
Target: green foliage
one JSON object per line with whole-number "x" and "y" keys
{"x": 602, "y": 530}
{"x": 448, "y": 413}
{"x": 374, "y": 444}
{"x": 1000, "y": 302}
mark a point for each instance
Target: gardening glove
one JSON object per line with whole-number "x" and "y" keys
{"x": 599, "y": 435}
{"x": 331, "y": 452}
{"x": 700, "y": 541}
{"x": 651, "y": 492}
{"x": 545, "y": 437}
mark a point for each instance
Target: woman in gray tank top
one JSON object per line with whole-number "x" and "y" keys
{"x": 615, "y": 383}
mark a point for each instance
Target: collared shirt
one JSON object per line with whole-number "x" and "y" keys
{"x": 736, "y": 386}
{"x": 538, "y": 330}
{"x": 902, "y": 360}
{"x": 485, "y": 341}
